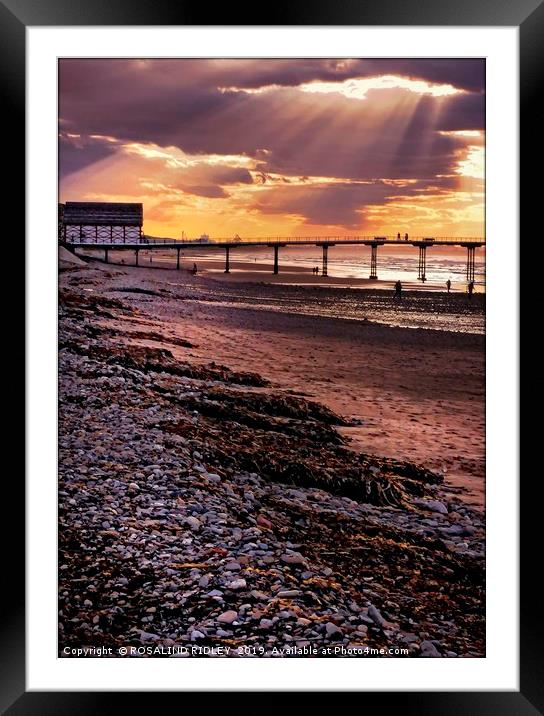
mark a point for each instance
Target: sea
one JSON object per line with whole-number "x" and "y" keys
{"x": 394, "y": 262}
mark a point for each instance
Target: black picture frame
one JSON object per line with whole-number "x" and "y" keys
{"x": 15, "y": 16}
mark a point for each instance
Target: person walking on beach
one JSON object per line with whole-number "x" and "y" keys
{"x": 398, "y": 290}
{"x": 194, "y": 269}
{"x": 470, "y": 289}
{"x": 448, "y": 285}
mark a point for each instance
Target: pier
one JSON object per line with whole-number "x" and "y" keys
{"x": 105, "y": 244}
{"x": 106, "y": 226}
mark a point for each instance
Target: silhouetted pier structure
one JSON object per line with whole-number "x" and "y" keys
{"x": 108, "y": 226}
{"x": 374, "y": 242}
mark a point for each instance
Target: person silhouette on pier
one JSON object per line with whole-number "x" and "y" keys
{"x": 406, "y": 237}
{"x": 398, "y": 236}
{"x": 398, "y": 290}
{"x": 470, "y": 289}
{"x": 448, "y": 285}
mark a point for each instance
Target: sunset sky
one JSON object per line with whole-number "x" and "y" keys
{"x": 278, "y": 147}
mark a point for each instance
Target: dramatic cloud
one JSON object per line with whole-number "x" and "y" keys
{"x": 250, "y": 145}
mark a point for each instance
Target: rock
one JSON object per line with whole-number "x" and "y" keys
{"x": 215, "y": 593}
{"x": 266, "y": 623}
{"x": 408, "y": 638}
{"x": 233, "y": 567}
{"x": 264, "y": 522}
{"x": 432, "y": 506}
{"x": 148, "y": 636}
{"x": 237, "y": 584}
{"x": 332, "y": 631}
{"x": 212, "y": 477}
{"x": 429, "y": 650}
{"x": 227, "y": 617}
{"x": 195, "y": 634}
{"x": 193, "y": 522}
{"x": 375, "y": 615}
{"x": 288, "y": 593}
{"x": 293, "y": 558}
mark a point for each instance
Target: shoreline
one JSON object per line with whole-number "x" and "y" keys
{"x": 261, "y": 273}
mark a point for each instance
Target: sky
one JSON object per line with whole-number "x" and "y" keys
{"x": 278, "y": 147}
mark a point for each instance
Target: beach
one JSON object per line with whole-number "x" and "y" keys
{"x": 274, "y": 556}
{"x": 419, "y": 393}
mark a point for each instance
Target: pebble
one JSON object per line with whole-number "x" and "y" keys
{"x": 238, "y": 584}
{"x": 429, "y": 650}
{"x": 375, "y": 615}
{"x": 227, "y": 617}
{"x": 433, "y": 506}
{"x": 293, "y": 558}
{"x": 193, "y": 522}
{"x": 332, "y": 631}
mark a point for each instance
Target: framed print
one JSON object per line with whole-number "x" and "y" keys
{"x": 272, "y": 363}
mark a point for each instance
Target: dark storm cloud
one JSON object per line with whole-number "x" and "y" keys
{"x": 179, "y": 102}
{"x": 340, "y": 204}
{"x": 76, "y": 153}
{"x": 332, "y": 205}
{"x": 187, "y": 104}
{"x": 463, "y": 112}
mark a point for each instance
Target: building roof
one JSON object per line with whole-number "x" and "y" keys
{"x": 91, "y": 213}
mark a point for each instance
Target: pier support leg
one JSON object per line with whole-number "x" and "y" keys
{"x": 374, "y": 261}
{"x": 422, "y": 263}
{"x": 324, "y": 272}
{"x": 137, "y": 252}
{"x": 471, "y": 251}
{"x": 276, "y": 262}
{"x": 227, "y": 259}
{"x": 124, "y": 234}
{"x": 106, "y": 258}
{"x": 177, "y": 260}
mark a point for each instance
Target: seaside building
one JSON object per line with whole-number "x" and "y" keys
{"x": 96, "y": 222}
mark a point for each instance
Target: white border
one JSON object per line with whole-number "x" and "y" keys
{"x": 499, "y": 670}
